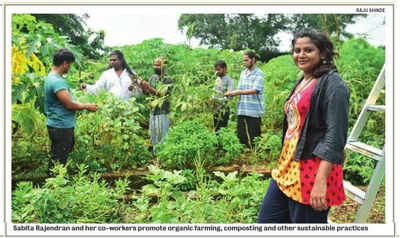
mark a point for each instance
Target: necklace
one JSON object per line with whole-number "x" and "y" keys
{"x": 296, "y": 93}
{"x": 304, "y": 85}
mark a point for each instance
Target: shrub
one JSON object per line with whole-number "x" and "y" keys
{"x": 228, "y": 145}
{"x": 184, "y": 142}
{"x": 111, "y": 138}
{"x": 81, "y": 199}
{"x": 280, "y": 75}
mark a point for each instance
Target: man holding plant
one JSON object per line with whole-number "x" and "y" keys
{"x": 223, "y": 84}
{"x": 60, "y": 107}
{"x": 161, "y": 86}
{"x": 250, "y": 107}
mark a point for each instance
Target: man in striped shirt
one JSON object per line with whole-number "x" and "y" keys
{"x": 250, "y": 107}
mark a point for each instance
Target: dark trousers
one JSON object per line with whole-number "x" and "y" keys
{"x": 221, "y": 117}
{"x": 247, "y": 129}
{"x": 278, "y": 208}
{"x": 62, "y": 142}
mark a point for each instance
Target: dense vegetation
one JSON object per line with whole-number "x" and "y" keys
{"x": 180, "y": 186}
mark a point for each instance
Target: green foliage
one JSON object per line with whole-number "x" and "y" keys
{"x": 111, "y": 138}
{"x": 232, "y": 200}
{"x": 30, "y": 141}
{"x": 73, "y": 26}
{"x": 334, "y": 24}
{"x": 179, "y": 150}
{"x": 280, "y": 75}
{"x": 359, "y": 64}
{"x": 38, "y": 40}
{"x": 268, "y": 146}
{"x": 108, "y": 140}
{"x": 229, "y": 146}
{"x": 26, "y": 116}
{"x": 235, "y": 31}
{"x": 358, "y": 169}
{"x": 189, "y": 182}
{"x": 79, "y": 199}
{"x": 41, "y": 37}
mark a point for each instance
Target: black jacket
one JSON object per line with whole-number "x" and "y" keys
{"x": 324, "y": 131}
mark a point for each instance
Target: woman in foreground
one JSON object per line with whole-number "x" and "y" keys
{"x": 308, "y": 179}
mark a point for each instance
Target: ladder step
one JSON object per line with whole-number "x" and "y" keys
{"x": 376, "y": 108}
{"x": 353, "y": 192}
{"x": 365, "y": 149}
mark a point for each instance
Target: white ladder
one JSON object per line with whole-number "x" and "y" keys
{"x": 366, "y": 199}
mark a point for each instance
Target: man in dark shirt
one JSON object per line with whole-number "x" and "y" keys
{"x": 161, "y": 86}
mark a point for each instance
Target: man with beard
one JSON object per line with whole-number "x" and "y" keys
{"x": 60, "y": 108}
{"x": 116, "y": 79}
{"x": 161, "y": 86}
{"x": 250, "y": 107}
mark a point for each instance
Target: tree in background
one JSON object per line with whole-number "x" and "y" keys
{"x": 236, "y": 31}
{"x": 248, "y": 31}
{"x": 333, "y": 24}
{"x": 74, "y": 26}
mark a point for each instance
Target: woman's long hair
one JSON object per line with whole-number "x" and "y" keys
{"x": 325, "y": 46}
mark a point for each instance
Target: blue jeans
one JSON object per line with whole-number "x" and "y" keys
{"x": 278, "y": 208}
{"x": 159, "y": 125}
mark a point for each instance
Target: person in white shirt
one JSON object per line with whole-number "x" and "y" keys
{"x": 117, "y": 79}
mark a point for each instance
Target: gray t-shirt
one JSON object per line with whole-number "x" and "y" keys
{"x": 223, "y": 85}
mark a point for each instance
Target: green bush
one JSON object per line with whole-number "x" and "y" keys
{"x": 111, "y": 138}
{"x": 228, "y": 199}
{"x": 184, "y": 143}
{"x": 64, "y": 199}
{"x": 229, "y": 146}
{"x": 280, "y": 75}
{"x": 268, "y": 146}
{"x": 30, "y": 142}
{"x": 359, "y": 64}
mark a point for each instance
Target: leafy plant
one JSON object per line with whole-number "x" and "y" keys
{"x": 231, "y": 199}
{"x": 81, "y": 199}
{"x": 179, "y": 150}
{"x": 268, "y": 146}
{"x": 229, "y": 146}
{"x": 111, "y": 138}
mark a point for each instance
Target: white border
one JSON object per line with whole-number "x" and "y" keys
{"x": 382, "y": 229}
{"x": 2, "y": 104}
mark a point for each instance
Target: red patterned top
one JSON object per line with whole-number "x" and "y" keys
{"x": 296, "y": 178}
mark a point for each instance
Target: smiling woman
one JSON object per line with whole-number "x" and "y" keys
{"x": 306, "y": 56}
{"x": 308, "y": 178}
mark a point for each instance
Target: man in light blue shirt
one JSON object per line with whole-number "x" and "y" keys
{"x": 250, "y": 107}
{"x": 60, "y": 107}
